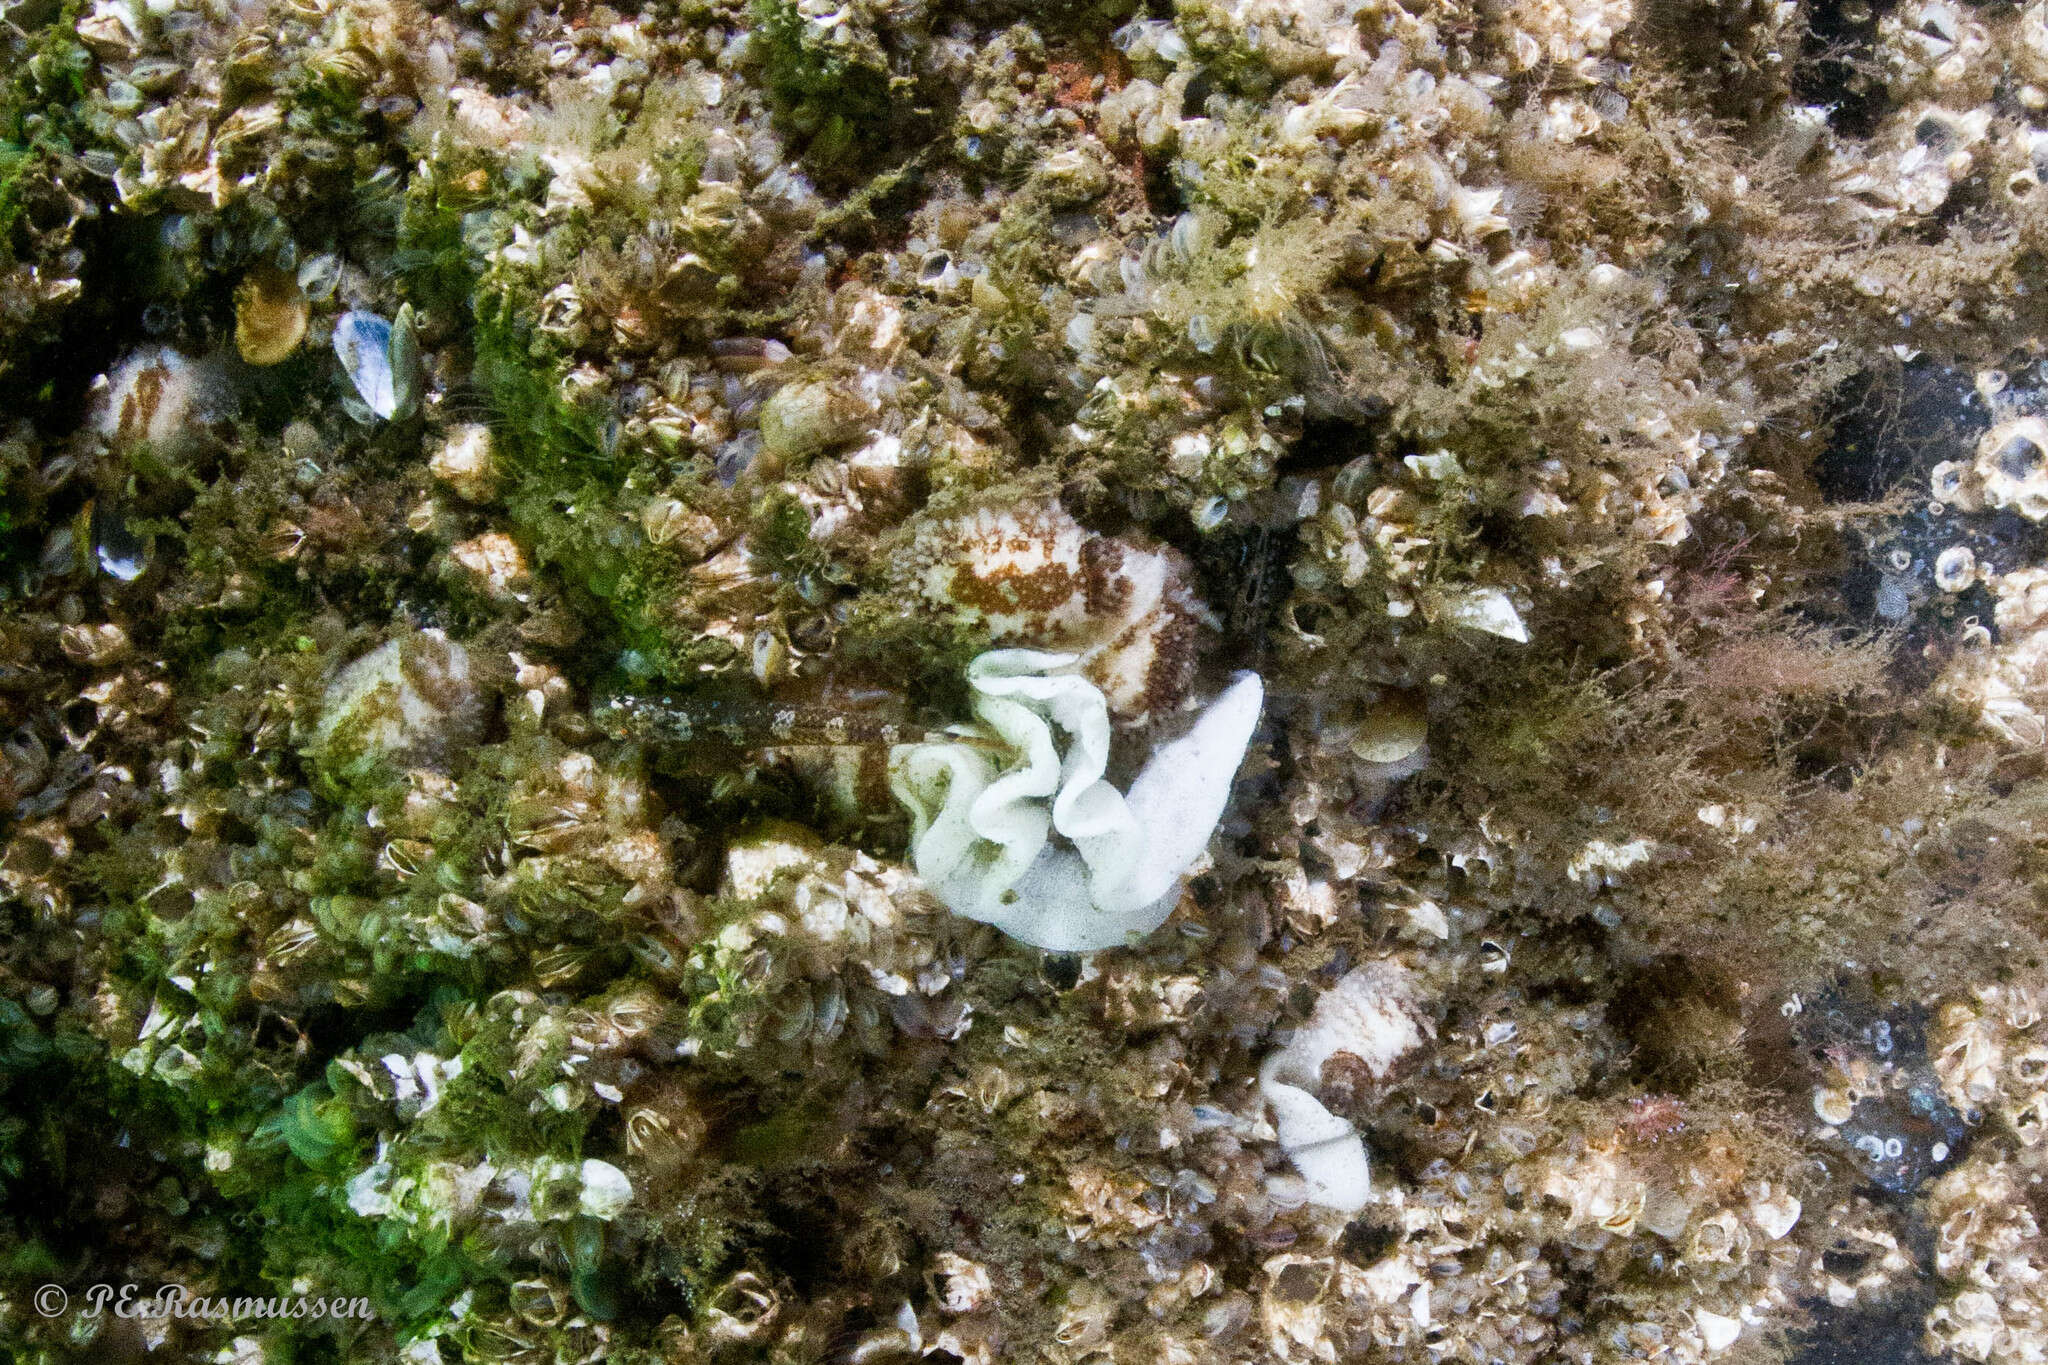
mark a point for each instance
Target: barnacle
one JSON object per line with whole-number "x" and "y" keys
{"x": 2006, "y": 682}
{"x": 412, "y": 700}
{"x": 466, "y": 461}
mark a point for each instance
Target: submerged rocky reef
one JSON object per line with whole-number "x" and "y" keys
{"x": 1101, "y": 682}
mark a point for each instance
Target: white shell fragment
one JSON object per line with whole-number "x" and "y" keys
{"x": 982, "y": 822}
{"x": 1325, "y": 1150}
{"x": 1717, "y": 1330}
{"x": 1774, "y": 1213}
{"x": 1485, "y": 609}
{"x": 606, "y": 1190}
{"x": 382, "y": 361}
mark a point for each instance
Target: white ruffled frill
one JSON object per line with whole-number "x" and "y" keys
{"x": 984, "y": 810}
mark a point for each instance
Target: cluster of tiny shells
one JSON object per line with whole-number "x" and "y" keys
{"x": 1465, "y": 370}
{"x": 1990, "y": 1251}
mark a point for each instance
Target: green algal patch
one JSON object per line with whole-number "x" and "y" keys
{"x": 783, "y": 548}
{"x": 835, "y": 97}
{"x": 47, "y": 78}
{"x": 431, "y": 254}
{"x": 930, "y": 651}
{"x": 299, "y": 1166}
{"x": 568, "y": 477}
{"x": 574, "y": 495}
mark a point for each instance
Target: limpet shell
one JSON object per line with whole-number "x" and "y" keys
{"x": 1392, "y": 731}
{"x": 270, "y": 315}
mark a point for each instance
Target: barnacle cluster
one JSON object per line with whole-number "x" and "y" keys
{"x": 1222, "y": 681}
{"x": 1988, "y": 1243}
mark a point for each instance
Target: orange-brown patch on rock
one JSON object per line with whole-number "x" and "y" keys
{"x": 138, "y": 408}
{"x": 1006, "y": 590}
{"x": 1076, "y": 84}
{"x": 1102, "y": 561}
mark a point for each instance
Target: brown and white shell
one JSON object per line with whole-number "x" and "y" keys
{"x": 1034, "y": 576}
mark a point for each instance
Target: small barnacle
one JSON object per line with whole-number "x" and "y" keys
{"x": 94, "y": 646}
{"x": 466, "y": 461}
{"x": 967, "y": 1283}
{"x": 743, "y": 1309}
{"x": 1950, "y": 483}
{"x": 1718, "y": 1237}
{"x": 414, "y": 700}
{"x": 113, "y": 30}
{"x": 2011, "y": 466}
{"x": 1955, "y": 569}
{"x": 496, "y": 563}
{"x": 668, "y": 521}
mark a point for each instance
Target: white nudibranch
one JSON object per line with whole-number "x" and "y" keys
{"x": 1373, "y": 1014}
{"x": 985, "y": 811}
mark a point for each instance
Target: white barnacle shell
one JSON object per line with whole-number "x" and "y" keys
{"x": 467, "y": 462}
{"x": 412, "y": 700}
{"x": 382, "y": 361}
{"x": 1955, "y": 569}
{"x": 1373, "y": 1014}
{"x": 982, "y": 832}
{"x": 2012, "y": 466}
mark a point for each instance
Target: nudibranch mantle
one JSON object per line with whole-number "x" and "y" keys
{"x": 983, "y": 824}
